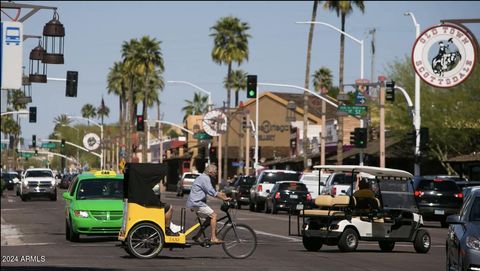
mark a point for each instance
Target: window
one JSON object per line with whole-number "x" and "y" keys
{"x": 100, "y": 189}
{"x": 273, "y": 177}
{"x": 342, "y": 179}
{"x": 191, "y": 176}
{"x": 38, "y": 173}
{"x": 438, "y": 185}
{"x": 250, "y": 180}
{"x": 293, "y": 187}
{"x": 475, "y": 212}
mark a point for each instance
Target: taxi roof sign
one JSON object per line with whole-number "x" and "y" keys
{"x": 105, "y": 173}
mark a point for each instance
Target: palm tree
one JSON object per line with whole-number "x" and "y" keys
{"x": 322, "y": 78}
{"x": 102, "y": 111}
{"x": 88, "y": 111}
{"x": 61, "y": 120}
{"x": 238, "y": 81}
{"x": 198, "y": 106}
{"x": 342, "y": 8}
{"x": 307, "y": 84}
{"x": 230, "y": 44}
{"x": 117, "y": 84}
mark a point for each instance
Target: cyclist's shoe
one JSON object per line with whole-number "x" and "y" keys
{"x": 217, "y": 241}
{"x": 169, "y": 232}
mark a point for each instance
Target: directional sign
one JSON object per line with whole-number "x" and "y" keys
{"x": 202, "y": 136}
{"x": 353, "y": 110}
{"x": 50, "y": 145}
{"x": 26, "y": 154}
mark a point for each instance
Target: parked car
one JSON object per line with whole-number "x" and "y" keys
{"x": 437, "y": 198}
{"x": 241, "y": 190}
{"x": 338, "y": 183}
{"x": 185, "y": 183}
{"x": 66, "y": 180}
{"x": 463, "y": 238}
{"x": 38, "y": 182}
{"x": 10, "y": 178}
{"x": 94, "y": 205}
{"x": 315, "y": 182}
{"x": 288, "y": 196}
{"x": 265, "y": 182}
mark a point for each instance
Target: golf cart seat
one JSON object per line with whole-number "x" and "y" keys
{"x": 329, "y": 206}
{"x": 367, "y": 208}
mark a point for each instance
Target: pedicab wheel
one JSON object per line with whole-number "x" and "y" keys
{"x": 240, "y": 241}
{"x": 348, "y": 241}
{"x": 312, "y": 243}
{"x": 386, "y": 246}
{"x": 422, "y": 241}
{"x": 145, "y": 240}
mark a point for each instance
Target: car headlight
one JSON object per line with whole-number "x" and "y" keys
{"x": 83, "y": 214}
{"x": 473, "y": 242}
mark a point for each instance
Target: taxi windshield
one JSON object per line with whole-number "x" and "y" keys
{"x": 100, "y": 189}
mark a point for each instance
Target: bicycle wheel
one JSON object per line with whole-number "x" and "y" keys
{"x": 240, "y": 241}
{"x": 145, "y": 240}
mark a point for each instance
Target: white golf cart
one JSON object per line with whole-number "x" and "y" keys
{"x": 342, "y": 220}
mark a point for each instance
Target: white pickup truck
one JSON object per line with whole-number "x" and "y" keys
{"x": 38, "y": 182}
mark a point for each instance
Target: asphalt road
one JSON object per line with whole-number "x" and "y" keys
{"x": 33, "y": 238}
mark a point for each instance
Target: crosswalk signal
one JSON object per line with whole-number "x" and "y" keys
{"x": 34, "y": 141}
{"x": 140, "y": 124}
{"x": 359, "y": 137}
{"x": 72, "y": 84}
{"x": 62, "y": 144}
{"x": 390, "y": 91}
{"x": 32, "y": 114}
{"x": 251, "y": 86}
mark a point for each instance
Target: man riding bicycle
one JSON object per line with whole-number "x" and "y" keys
{"x": 197, "y": 200}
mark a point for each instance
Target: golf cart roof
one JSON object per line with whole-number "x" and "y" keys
{"x": 376, "y": 171}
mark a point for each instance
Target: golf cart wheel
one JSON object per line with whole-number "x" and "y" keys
{"x": 386, "y": 246}
{"x": 348, "y": 241}
{"x": 422, "y": 241}
{"x": 145, "y": 240}
{"x": 312, "y": 243}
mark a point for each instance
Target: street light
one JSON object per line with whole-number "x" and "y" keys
{"x": 101, "y": 135}
{"x": 361, "y": 62}
{"x": 416, "y": 115}
{"x": 197, "y": 87}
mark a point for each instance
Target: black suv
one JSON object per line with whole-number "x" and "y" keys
{"x": 437, "y": 197}
{"x": 241, "y": 192}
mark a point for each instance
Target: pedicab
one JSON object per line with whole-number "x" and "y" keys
{"x": 143, "y": 233}
{"x": 343, "y": 220}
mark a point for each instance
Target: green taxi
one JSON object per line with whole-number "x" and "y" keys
{"x": 94, "y": 205}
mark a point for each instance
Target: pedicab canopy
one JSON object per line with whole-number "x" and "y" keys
{"x": 139, "y": 180}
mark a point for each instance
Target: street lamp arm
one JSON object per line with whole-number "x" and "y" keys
{"x": 192, "y": 85}
{"x": 72, "y": 144}
{"x": 176, "y": 125}
{"x": 15, "y": 112}
{"x": 334, "y": 28}
{"x": 405, "y": 94}
{"x": 408, "y": 13}
{"x": 301, "y": 88}
{"x": 89, "y": 120}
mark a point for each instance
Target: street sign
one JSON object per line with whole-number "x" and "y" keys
{"x": 50, "y": 145}
{"x": 353, "y": 110}
{"x": 202, "y": 136}
{"x": 26, "y": 154}
{"x": 360, "y": 98}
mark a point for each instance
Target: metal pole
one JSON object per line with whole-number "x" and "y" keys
{"x": 247, "y": 147}
{"x": 256, "y": 134}
{"x": 219, "y": 159}
{"x": 416, "y": 117}
{"x": 382, "y": 123}
{"x": 323, "y": 133}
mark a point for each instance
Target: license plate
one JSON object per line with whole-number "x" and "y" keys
{"x": 439, "y": 212}
{"x": 299, "y": 206}
{"x": 294, "y": 196}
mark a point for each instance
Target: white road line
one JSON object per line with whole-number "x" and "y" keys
{"x": 278, "y": 236}
{"x": 28, "y": 244}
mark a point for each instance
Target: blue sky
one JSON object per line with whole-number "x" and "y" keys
{"x": 95, "y": 31}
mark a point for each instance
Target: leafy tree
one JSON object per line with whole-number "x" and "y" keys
{"x": 230, "y": 44}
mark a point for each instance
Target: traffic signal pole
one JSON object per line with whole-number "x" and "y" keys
{"x": 382, "y": 121}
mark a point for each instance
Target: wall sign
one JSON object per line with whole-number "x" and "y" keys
{"x": 444, "y": 55}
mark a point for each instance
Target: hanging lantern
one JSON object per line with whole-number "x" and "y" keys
{"x": 53, "y": 39}
{"x": 291, "y": 106}
{"x": 37, "y": 69}
{"x": 27, "y": 90}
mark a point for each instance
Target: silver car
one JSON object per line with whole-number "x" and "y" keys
{"x": 38, "y": 182}
{"x": 463, "y": 239}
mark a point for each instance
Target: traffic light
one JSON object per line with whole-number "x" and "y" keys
{"x": 411, "y": 137}
{"x": 424, "y": 138}
{"x": 390, "y": 91}
{"x": 213, "y": 153}
{"x": 140, "y": 124}
{"x": 32, "y": 114}
{"x": 244, "y": 122}
{"x": 72, "y": 83}
{"x": 34, "y": 141}
{"x": 359, "y": 137}
{"x": 251, "y": 86}
{"x": 62, "y": 144}
{"x": 201, "y": 153}
{"x": 36, "y": 153}
{"x": 252, "y": 152}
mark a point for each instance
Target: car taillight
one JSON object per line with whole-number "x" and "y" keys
{"x": 334, "y": 191}
{"x": 259, "y": 188}
{"x": 418, "y": 193}
{"x": 459, "y": 195}
{"x": 277, "y": 195}
{"x": 309, "y": 197}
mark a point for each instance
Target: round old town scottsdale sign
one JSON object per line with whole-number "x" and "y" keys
{"x": 444, "y": 55}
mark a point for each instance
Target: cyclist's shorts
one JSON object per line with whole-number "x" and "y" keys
{"x": 204, "y": 211}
